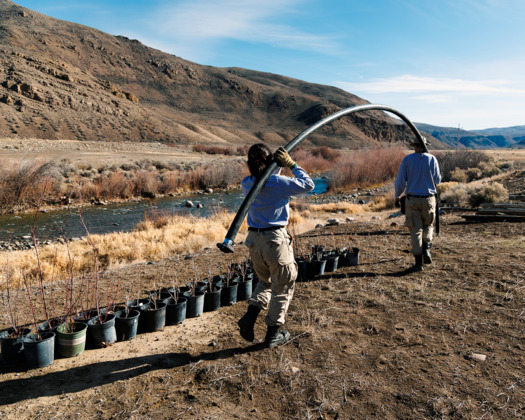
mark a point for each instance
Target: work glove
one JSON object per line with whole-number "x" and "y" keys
{"x": 283, "y": 159}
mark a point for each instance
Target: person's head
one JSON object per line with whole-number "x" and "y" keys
{"x": 259, "y": 157}
{"x": 418, "y": 147}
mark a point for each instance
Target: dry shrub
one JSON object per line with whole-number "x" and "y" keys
{"x": 459, "y": 175}
{"x": 340, "y": 207}
{"x": 455, "y": 195}
{"x": 383, "y": 202}
{"x": 489, "y": 193}
{"x": 462, "y": 195}
{"x": 146, "y": 183}
{"x": 310, "y": 162}
{"x": 463, "y": 159}
{"x": 117, "y": 185}
{"x": 22, "y": 184}
{"x": 367, "y": 167}
{"x": 221, "y": 150}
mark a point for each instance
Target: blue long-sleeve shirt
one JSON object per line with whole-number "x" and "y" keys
{"x": 418, "y": 174}
{"x": 271, "y": 207}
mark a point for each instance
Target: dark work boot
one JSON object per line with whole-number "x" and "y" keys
{"x": 247, "y": 322}
{"x": 275, "y": 336}
{"x": 427, "y": 259}
{"x": 418, "y": 266}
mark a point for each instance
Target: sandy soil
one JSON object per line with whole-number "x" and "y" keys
{"x": 369, "y": 341}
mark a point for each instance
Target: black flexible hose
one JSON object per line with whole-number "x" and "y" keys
{"x": 227, "y": 245}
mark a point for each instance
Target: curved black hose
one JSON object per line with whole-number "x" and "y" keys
{"x": 227, "y": 245}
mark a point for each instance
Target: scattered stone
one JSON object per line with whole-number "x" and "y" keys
{"x": 394, "y": 224}
{"x": 208, "y": 190}
{"x": 478, "y": 357}
{"x": 188, "y": 204}
{"x": 199, "y": 206}
{"x": 350, "y": 219}
{"x": 332, "y": 222}
{"x": 319, "y": 226}
{"x": 295, "y": 370}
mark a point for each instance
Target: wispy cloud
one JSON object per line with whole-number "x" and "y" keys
{"x": 208, "y": 21}
{"x": 415, "y": 84}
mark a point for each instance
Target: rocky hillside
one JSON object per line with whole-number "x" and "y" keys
{"x": 60, "y": 80}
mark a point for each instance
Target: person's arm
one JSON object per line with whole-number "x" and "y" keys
{"x": 436, "y": 174}
{"x": 401, "y": 180}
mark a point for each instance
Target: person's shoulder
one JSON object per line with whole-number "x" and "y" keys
{"x": 248, "y": 180}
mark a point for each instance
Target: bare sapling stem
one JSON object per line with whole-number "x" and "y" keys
{"x": 95, "y": 258}
{"x": 40, "y": 273}
{"x": 32, "y": 306}
{"x": 11, "y": 307}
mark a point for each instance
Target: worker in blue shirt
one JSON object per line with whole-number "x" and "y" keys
{"x": 418, "y": 178}
{"x": 269, "y": 243}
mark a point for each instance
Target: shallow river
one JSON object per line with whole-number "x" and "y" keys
{"x": 121, "y": 217}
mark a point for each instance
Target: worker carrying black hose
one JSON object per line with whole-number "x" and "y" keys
{"x": 418, "y": 177}
{"x": 269, "y": 242}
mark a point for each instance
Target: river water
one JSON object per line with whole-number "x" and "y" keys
{"x": 122, "y": 217}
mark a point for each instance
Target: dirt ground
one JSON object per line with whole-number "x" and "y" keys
{"x": 369, "y": 341}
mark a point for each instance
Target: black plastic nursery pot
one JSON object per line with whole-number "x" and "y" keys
{"x": 71, "y": 339}
{"x": 51, "y": 325}
{"x": 331, "y": 263}
{"x": 195, "y": 304}
{"x": 199, "y": 285}
{"x": 153, "y": 318}
{"x": 126, "y": 324}
{"x": 244, "y": 289}
{"x": 176, "y": 311}
{"x": 229, "y": 294}
{"x": 342, "y": 258}
{"x": 102, "y": 330}
{"x": 315, "y": 268}
{"x": 39, "y": 349}
{"x": 138, "y": 304}
{"x": 352, "y": 257}
{"x": 301, "y": 270}
{"x": 212, "y": 299}
{"x": 12, "y": 345}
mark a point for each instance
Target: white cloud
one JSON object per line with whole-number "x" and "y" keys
{"x": 447, "y": 102}
{"x": 203, "y": 22}
{"x": 412, "y": 84}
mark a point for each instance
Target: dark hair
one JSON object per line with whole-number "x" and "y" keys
{"x": 259, "y": 157}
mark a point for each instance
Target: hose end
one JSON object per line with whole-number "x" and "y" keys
{"x": 226, "y": 246}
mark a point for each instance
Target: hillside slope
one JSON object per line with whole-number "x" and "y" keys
{"x": 60, "y": 80}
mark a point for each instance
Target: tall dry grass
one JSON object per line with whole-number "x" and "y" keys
{"x": 159, "y": 236}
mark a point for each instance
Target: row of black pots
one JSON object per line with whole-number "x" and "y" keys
{"x": 328, "y": 262}
{"x": 93, "y": 331}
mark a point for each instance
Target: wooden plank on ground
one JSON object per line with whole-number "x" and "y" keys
{"x": 486, "y": 218}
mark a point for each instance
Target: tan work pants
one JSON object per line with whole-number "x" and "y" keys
{"x": 419, "y": 218}
{"x": 274, "y": 264}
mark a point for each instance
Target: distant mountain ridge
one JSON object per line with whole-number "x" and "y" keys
{"x": 60, "y": 80}
{"x": 478, "y": 139}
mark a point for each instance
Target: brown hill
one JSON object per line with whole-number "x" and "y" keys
{"x": 60, "y": 80}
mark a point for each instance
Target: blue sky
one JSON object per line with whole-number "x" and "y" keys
{"x": 441, "y": 62}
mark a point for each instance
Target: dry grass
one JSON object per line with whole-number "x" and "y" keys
{"x": 159, "y": 236}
